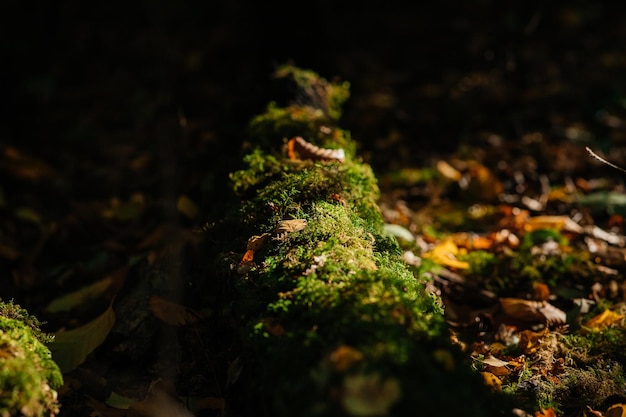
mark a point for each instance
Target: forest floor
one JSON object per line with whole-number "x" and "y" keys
{"x": 122, "y": 126}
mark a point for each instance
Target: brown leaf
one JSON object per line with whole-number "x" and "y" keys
{"x": 255, "y": 243}
{"x": 170, "y": 312}
{"x": 343, "y": 357}
{"x": 25, "y": 166}
{"x": 532, "y": 311}
{"x": 541, "y": 292}
{"x": 297, "y": 146}
{"x": 530, "y": 341}
{"x": 210, "y": 403}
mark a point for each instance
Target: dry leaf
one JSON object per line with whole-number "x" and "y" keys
{"x": 208, "y": 403}
{"x": 290, "y": 226}
{"x": 445, "y": 254}
{"x": 343, "y": 357}
{"x": 255, "y": 243}
{"x": 170, "y": 312}
{"x": 541, "y": 292}
{"x": 616, "y": 410}
{"x": 472, "y": 241}
{"x": 187, "y": 207}
{"x": 493, "y": 361}
{"x": 530, "y": 341}
{"x": 492, "y": 381}
{"x": 595, "y": 412}
{"x": 297, "y": 146}
{"x": 545, "y": 412}
{"x": 71, "y": 348}
{"x": 448, "y": 171}
{"x": 604, "y": 319}
{"x": 552, "y": 222}
{"x": 532, "y": 311}
{"x": 24, "y": 166}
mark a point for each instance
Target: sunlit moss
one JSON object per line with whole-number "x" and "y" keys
{"x": 480, "y": 261}
{"x": 28, "y": 376}
{"x": 339, "y": 281}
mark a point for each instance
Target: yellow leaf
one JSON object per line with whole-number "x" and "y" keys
{"x": 448, "y": 171}
{"x": 445, "y": 254}
{"x": 552, "y": 222}
{"x": 605, "y": 319}
{"x": 187, "y": 207}
{"x": 492, "y": 381}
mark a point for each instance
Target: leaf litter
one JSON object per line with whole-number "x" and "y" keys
{"x": 106, "y": 211}
{"x": 524, "y": 279}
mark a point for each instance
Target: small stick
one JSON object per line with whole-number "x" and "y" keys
{"x": 604, "y": 161}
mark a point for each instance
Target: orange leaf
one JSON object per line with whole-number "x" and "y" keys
{"x": 616, "y": 410}
{"x": 541, "y": 291}
{"x": 247, "y": 257}
{"x": 545, "y": 412}
{"x": 472, "y": 241}
{"x": 343, "y": 357}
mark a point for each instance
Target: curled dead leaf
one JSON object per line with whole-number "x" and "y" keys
{"x": 290, "y": 226}
{"x": 532, "y": 311}
{"x": 255, "y": 243}
{"x": 298, "y": 147}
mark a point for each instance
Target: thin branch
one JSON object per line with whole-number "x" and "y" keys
{"x": 604, "y": 161}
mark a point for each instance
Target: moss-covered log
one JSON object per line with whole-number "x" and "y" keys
{"x": 28, "y": 376}
{"x": 333, "y": 322}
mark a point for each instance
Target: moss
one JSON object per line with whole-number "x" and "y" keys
{"x": 28, "y": 376}
{"x": 337, "y": 285}
{"x": 589, "y": 386}
{"x": 481, "y": 262}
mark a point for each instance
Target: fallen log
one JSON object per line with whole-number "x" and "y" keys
{"x": 332, "y": 322}
{"x": 28, "y": 376}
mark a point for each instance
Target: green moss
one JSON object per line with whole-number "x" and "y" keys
{"x": 337, "y": 285}
{"x": 328, "y": 97}
{"x": 28, "y": 376}
{"x": 480, "y": 261}
{"x": 580, "y": 388}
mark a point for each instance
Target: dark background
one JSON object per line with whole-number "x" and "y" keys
{"x": 83, "y": 75}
